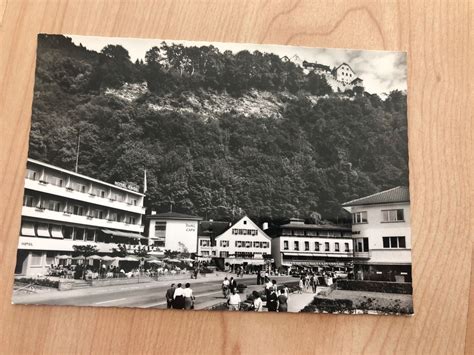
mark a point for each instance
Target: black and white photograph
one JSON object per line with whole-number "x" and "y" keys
{"x": 171, "y": 174}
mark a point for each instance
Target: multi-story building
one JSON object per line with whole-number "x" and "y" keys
{"x": 297, "y": 244}
{"x": 62, "y": 209}
{"x": 382, "y": 235}
{"x": 243, "y": 244}
{"x": 173, "y": 231}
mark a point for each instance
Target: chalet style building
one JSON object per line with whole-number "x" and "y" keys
{"x": 382, "y": 235}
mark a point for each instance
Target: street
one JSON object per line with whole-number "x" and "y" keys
{"x": 145, "y": 295}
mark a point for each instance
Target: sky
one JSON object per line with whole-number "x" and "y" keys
{"x": 382, "y": 71}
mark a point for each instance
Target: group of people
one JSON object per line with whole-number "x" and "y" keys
{"x": 180, "y": 296}
{"x": 310, "y": 281}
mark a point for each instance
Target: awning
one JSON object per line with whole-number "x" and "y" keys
{"x": 43, "y": 230}
{"x": 28, "y": 230}
{"x": 57, "y": 232}
{"x": 123, "y": 234}
{"x": 245, "y": 261}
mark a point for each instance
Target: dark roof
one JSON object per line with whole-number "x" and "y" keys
{"x": 397, "y": 194}
{"x": 215, "y": 228}
{"x": 356, "y": 79}
{"x": 174, "y": 215}
{"x": 340, "y": 65}
{"x": 322, "y": 66}
{"x": 315, "y": 226}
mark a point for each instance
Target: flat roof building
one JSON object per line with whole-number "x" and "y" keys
{"x": 62, "y": 208}
{"x": 298, "y": 244}
{"x": 382, "y": 235}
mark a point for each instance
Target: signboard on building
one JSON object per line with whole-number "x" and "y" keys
{"x": 127, "y": 185}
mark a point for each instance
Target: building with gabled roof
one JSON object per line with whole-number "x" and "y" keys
{"x": 381, "y": 234}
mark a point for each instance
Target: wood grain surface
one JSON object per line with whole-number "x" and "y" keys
{"x": 436, "y": 35}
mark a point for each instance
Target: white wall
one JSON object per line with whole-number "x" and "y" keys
{"x": 184, "y": 232}
{"x": 375, "y": 229}
{"x": 244, "y": 223}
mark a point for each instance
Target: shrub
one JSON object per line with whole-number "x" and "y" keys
{"x": 375, "y": 286}
{"x": 39, "y": 282}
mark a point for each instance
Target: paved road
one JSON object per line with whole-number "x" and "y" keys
{"x": 149, "y": 295}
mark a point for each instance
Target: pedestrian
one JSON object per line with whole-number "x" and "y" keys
{"x": 274, "y": 285}
{"x": 301, "y": 285}
{"x": 257, "y": 302}
{"x": 286, "y": 291}
{"x": 282, "y": 302}
{"x": 178, "y": 298}
{"x": 272, "y": 301}
{"x": 268, "y": 287}
{"x": 234, "y": 301}
{"x": 169, "y": 296}
{"x": 188, "y": 297}
{"x": 233, "y": 284}
{"x": 306, "y": 282}
{"x": 258, "y": 278}
{"x": 315, "y": 283}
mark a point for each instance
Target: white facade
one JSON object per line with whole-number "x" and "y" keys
{"x": 382, "y": 235}
{"x": 345, "y": 74}
{"x": 173, "y": 231}
{"x": 376, "y": 228}
{"x": 62, "y": 209}
{"x": 244, "y": 242}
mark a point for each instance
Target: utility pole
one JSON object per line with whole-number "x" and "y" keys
{"x": 77, "y": 151}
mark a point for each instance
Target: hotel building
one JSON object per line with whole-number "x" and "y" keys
{"x": 62, "y": 209}
{"x": 382, "y": 235}
{"x": 297, "y": 244}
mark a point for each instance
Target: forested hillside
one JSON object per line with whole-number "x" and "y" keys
{"x": 220, "y": 134}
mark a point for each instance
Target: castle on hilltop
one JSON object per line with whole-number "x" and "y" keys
{"x": 340, "y": 79}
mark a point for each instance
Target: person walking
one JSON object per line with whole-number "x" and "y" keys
{"x": 178, "y": 298}
{"x": 301, "y": 285}
{"x": 232, "y": 284}
{"x": 188, "y": 297}
{"x": 225, "y": 287}
{"x": 282, "y": 302}
{"x": 268, "y": 288}
{"x": 234, "y": 301}
{"x": 169, "y": 296}
{"x": 315, "y": 283}
{"x": 257, "y": 302}
{"x": 272, "y": 301}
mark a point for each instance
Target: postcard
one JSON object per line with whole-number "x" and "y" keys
{"x": 216, "y": 176}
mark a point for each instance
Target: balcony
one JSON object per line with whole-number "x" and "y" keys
{"x": 53, "y": 216}
{"x": 362, "y": 254}
{"x": 81, "y": 196}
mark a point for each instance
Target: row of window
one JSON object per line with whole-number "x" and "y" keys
{"x": 317, "y": 246}
{"x": 247, "y": 244}
{"x": 78, "y": 210}
{"x": 45, "y": 230}
{"x": 361, "y": 245}
{"x": 395, "y": 215}
{"x": 239, "y": 231}
{"x": 74, "y": 185}
{"x": 315, "y": 233}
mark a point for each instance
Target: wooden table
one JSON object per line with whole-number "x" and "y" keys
{"x": 440, "y": 63}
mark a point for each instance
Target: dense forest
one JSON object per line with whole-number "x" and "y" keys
{"x": 220, "y": 134}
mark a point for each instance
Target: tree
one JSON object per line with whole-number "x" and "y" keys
{"x": 141, "y": 252}
{"x": 120, "y": 251}
{"x": 86, "y": 251}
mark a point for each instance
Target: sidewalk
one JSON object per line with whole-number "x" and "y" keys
{"x": 297, "y": 301}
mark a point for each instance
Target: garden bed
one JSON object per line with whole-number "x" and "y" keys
{"x": 375, "y": 286}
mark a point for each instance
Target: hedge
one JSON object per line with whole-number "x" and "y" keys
{"x": 375, "y": 286}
